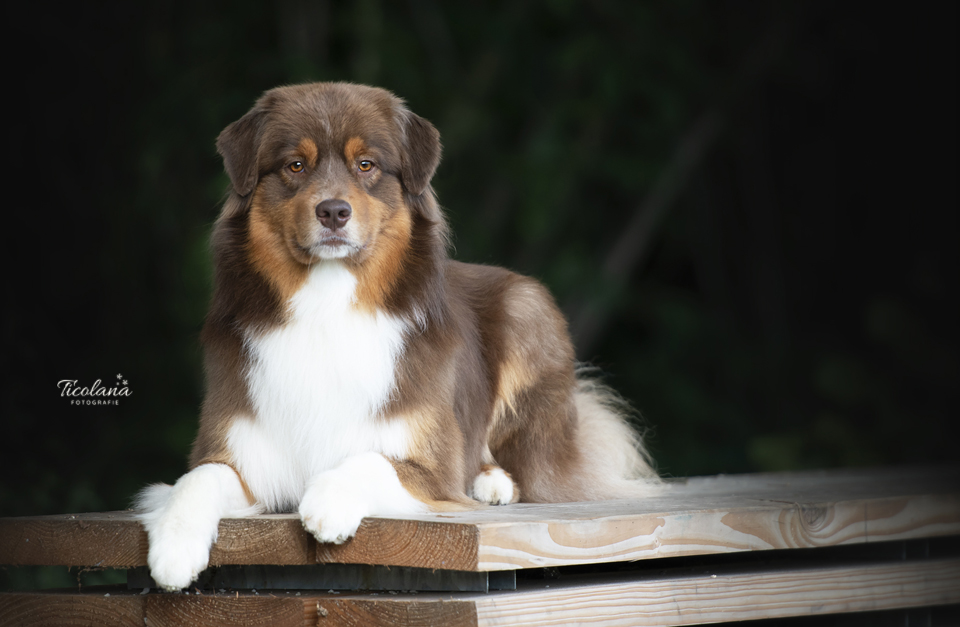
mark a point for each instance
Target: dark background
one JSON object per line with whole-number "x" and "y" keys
{"x": 747, "y": 209}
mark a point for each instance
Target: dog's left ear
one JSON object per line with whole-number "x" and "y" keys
{"x": 239, "y": 145}
{"x": 421, "y": 152}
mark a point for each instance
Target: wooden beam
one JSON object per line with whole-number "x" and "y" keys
{"x": 109, "y": 539}
{"x": 437, "y": 541}
{"x": 693, "y": 517}
{"x": 710, "y": 598}
{"x": 714, "y": 527}
{"x": 641, "y": 599}
{"x": 36, "y": 609}
{"x": 283, "y": 609}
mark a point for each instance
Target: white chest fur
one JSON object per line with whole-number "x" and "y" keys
{"x": 317, "y": 385}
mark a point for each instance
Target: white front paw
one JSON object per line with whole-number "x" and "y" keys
{"x": 176, "y": 562}
{"x": 331, "y": 514}
{"x": 181, "y": 521}
{"x": 494, "y": 486}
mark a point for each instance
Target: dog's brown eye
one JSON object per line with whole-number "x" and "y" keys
{"x": 296, "y": 166}
{"x": 365, "y": 166}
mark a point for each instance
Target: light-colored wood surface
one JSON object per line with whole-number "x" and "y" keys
{"x": 683, "y": 599}
{"x": 694, "y": 600}
{"x": 694, "y": 517}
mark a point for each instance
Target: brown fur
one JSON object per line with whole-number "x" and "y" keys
{"x": 488, "y": 376}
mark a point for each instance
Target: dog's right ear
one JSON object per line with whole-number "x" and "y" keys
{"x": 239, "y": 145}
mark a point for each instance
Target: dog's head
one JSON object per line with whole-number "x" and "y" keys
{"x": 328, "y": 169}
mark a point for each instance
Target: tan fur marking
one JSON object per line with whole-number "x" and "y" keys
{"x": 269, "y": 254}
{"x": 433, "y": 471}
{"x": 515, "y": 374}
{"x": 377, "y": 274}
{"x": 308, "y": 148}
{"x": 353, "y": 149}
{"x": 419, "y": 486}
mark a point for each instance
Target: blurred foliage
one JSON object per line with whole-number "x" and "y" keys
{"x": 796, "y": 307}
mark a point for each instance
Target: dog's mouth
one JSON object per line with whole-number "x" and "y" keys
{"x": 330, "y": 246}
{"x": 335, "y": 241}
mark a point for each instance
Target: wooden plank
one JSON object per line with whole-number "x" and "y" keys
{"x": 110, "y": 539}
{"x": 699, "y": 516}
{"x": 116, "y": 539}
{"x": 42, "y": 609}
{"x": 267, "y": 539}
{"x": 714, "y": 529}
{"x": 429, "y": 542}
{"x": 284, "y": 609}
{"x": 694, "y": 600}
{"x": 680, "y": 599}
{"x": 396, "y": 611}
{"x": 249, "y": 610}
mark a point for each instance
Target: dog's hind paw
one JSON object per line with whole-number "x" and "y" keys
{"x": 495, "y": 486}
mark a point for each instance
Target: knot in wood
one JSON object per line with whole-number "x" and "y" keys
{"x": 813, "y": 518}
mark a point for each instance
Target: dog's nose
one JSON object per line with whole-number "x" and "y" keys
{"x": 334, "y": 213}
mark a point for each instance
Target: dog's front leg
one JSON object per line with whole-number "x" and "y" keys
{"x": 363, "y": 485}
{"x": 181, "y": 521}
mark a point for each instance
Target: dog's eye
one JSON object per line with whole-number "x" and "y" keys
{"x": 296, "y": 166}
{"x": 365, "y": 165}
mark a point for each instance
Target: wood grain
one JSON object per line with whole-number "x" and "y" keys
{"x": 682, "y": 599}
{"x": 111, "y": 539}
{"x": 43, "y": 609}
{"x": 396, "y": 611}
{"x": 695, "y": 600}
{"x": 266, "y": 539}
{"x": 122, "y": 609}
{"x": 421, "y": 543}
{"x": 184, "y": 610}
{"x": 743, "y": 526}
{"x": 692, "y": 517}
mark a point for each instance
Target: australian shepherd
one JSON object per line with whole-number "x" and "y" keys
{"x": 353, "y": 369}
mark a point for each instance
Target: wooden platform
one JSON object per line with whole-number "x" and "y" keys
{"x": 879, "y": 515}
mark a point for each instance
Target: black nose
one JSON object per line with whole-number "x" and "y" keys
{"x": 334, "y": 213}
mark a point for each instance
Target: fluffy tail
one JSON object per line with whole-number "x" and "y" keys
{"x": 616, "y": 462}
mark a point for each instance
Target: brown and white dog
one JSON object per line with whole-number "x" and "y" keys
{"x": 353, "y": 369}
